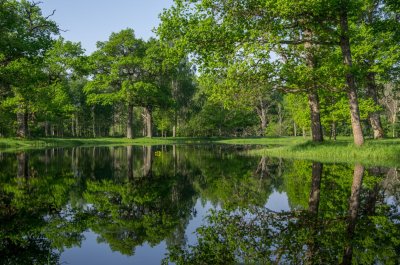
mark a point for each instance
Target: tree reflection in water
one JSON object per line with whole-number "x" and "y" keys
{"x": 257, "y": 235}
{"x": 129, "y": 196}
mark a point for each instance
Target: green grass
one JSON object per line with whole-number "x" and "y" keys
{"x": 374, "y": 152}
{"x": 384, "y": 152}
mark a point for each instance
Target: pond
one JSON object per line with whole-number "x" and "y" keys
{"x": 193, "y": 204}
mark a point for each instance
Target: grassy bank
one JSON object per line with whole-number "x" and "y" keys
{"x": 375, "y": 152}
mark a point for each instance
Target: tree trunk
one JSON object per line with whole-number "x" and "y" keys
{"x": 354, "y": 205}
{"x": 261, "y": 110}
{"x": 333, "y": 132}
{"x": 263, "y": 118}
{"x": 316, "y": 127}
{"x": 304, "y": 132}
{"x": 149, "y": 117}
{"x": 351, "y": 85}
{"x": 313, "y": 99}
{"x": 294, "y": 129}
{"x": 374, "y": 117}
{"x": 22, "y": 119}
{"x": 175, "y": 124}
{"x": 129, "y": 130}
{"x": 93, "y": 122}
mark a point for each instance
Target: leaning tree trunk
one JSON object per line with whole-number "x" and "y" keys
{"x": 149, "y": 118}
{"x": 313, "y": 99}
{"x": 129, "y": 129}
{"x": 22, "y": 120}
{"x": 351, "y": 85}
{"x": 374, "y": 117}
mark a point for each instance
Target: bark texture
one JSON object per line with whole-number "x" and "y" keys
{"x": 129, "y": 129}
{"x": 351, "y": 85}
{"x": 149, "y": 121}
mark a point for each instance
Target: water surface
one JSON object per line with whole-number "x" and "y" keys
{"x": 143, "y": 205}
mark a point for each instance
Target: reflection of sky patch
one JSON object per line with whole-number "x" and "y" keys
{"x": 93, "y": 252}
{"x": 278, "y": 202}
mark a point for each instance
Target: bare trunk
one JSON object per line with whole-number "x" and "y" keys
{"x": 374, "y": 117}
{"x": 22, "y": 119}
{"x": 294, "y": 129}
{"x": 149, "y": 117}
{"x": 351, "y": 86}
{"x": 261, "y": 110}
{"x": 129, "y": 131}
{"x": 316, "y": 127}
{"x": 354, "y": 205}
{"x": 304, "y": 132}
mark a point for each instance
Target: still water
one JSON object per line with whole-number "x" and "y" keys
{"x": 193, "y": 205}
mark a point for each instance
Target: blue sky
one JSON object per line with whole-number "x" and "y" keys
{"x": 89, "y": 21}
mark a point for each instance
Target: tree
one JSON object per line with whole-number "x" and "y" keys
{"x": 64, "y": 64}
{"x": 27, "y": 36}
{"x": 117, "y": 66}
{"x": 297, "y": 106}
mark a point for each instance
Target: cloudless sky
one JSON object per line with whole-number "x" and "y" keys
{"x": 89, "y": 21}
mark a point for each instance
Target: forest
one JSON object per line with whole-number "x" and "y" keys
{"x": 217, "y": 68}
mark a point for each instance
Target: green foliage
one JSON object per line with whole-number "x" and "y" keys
{"x": 297, "y": 106}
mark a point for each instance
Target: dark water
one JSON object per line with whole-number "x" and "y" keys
{"x": 143, "y": 205}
